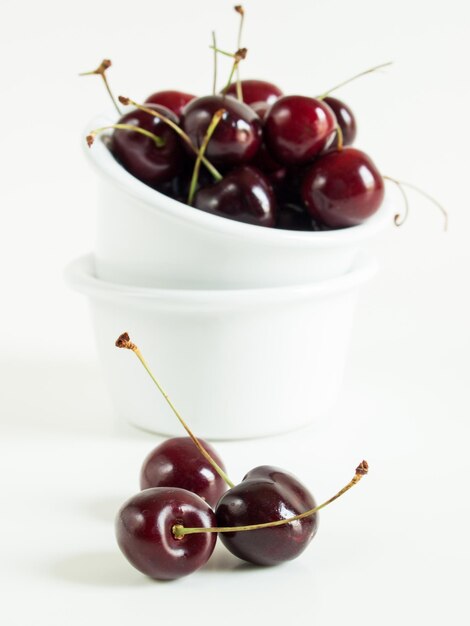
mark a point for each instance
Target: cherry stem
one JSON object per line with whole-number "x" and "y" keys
{"x": 197, "y": 165}
{"x": 237, "y": 57}
{"x": 361, "y": 470}
{"x": 214, "y": 80}
{"x": 101, "y": 71}
{"x": 349, "y": 80}
{"x": 123, "y": 100}
{"x": 123, "y": 341}
{"x": 90, "y": 138}
{"x": 401, "y": 219}
{"x": 339, "y": 138}
{"x": 239, "y": 9}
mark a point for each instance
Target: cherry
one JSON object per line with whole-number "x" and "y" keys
{"x": 173, "y": 100}
{"x": 244, "y": 194}
{"x": 140, "y": 155}
{"x": 294, "y": 217}
{"x": 344, "y": 117}
{"x": 264, "y": 491}
{"x": 343, "y": 188}
{"x": 267, "y": 493}
{"x": 237, "y": 137}
{"x": 297, "y": 128}
{"x": 178, "y": 463}
{"x": 144, "y": 532}
{"x": 277, "y": 493}
{"x": 256, "y": 91}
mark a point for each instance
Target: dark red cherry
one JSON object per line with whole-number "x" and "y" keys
{"x": 237, "y": 137}
{"x": 178, "y": 463}
{"x": 140, "y": 155}
{"x": 144, "y": 532}
{"x": 173, "y": 100}
{"x": 342, "y": 188}
{"x": 244, "y": 194}
{"x": 297, "y": 128}
{"x": 256, "y": 91}
{"x": 267, "y": 494}
{"x": 294, "y": 217}
{"x": 344, "y": 117}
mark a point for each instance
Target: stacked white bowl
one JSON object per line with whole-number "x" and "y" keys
{"x": 246, "y": 327}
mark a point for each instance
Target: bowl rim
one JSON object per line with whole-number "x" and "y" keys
{"x": 80, "y": 275}
{"x": 152, "y": 200}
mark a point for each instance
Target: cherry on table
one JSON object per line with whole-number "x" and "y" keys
{"x": 244, "y": 194}
{"x": 297, "y": 128}
{"x": 256, "y": 91}
{"x": 342, "y": 188}
{"x": 178, "y": 463}
{"x": 173, "y": 100}
{"x": 237, "y": 137}
{"x": 344, "y": 117}
{"x": 144, "y": 532}
{"x": 267, "y": 493}
{"x": 141, "y": 156}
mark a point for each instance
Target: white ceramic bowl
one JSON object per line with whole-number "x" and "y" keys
{"x": 147, "y": 239}
{"x": 236, "y": 363}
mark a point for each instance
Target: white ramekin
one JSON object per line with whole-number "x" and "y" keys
{"x": 237, "y": 363}
{"x": 147, "y": 239}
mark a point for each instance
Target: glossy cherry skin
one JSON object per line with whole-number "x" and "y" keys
{"x": 173, "y": 100}
{"x": 140, "y": 155}
{"x": 344, "y": 117}
{"x": 256, "y": 91}
{"x": 297, "y": 128}
{"x": 178, "y": 463}
{"x": 267, "y": 494}
{"x": 144, "y": 532}
{"x": 343, "y": 188}
{"x": 237, "y": 137}
{"x": 244, "y": 194}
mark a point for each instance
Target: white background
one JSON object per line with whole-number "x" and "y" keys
{"x": 396, "y": 550}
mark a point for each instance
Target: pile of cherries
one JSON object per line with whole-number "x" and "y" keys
{"x": 170, "y": 528}
{"x": 250, "y": 153}
{"x": 279, "y": 160}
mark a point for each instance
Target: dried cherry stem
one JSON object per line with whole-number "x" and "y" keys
{"x": 101, "y": 71}
{"x": 197, "y": 165}
{"x": 241, "y": 11}
{"x": 214, "y": 79}
{"x": 90, "y": 138}
{"x": 180, "y": 531}
{"x": 123, "y": 341}
{"x": 238, "y": 56}
{"x": 349, "y": 80}
{"x": 401, "y": 219}
{"x": 123, "y": 100}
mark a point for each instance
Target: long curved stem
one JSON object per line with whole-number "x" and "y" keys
{"x": 214, "y": 80}
{"x": 399, "y": 220}
{"x": 123, "y": 341}
{"x": 180, "y": 531}
{"x": 197, "y": 165}
{"x": 123, "y": 100}
{"x": 349, "y": 80}
{"x": 241, "y": 11}
{"x": 101, "y": 71}
{"x": 90, "y": 138}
